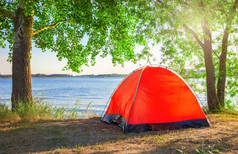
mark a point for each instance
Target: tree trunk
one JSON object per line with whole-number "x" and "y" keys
{"x": 222, "y": 69}
{"x": 212, "y": 99}
{"x": 21, "y": 70}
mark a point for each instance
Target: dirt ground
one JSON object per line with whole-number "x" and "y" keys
{"x": 94, "y": 136}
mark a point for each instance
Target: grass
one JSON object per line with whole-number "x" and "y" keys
{"x": 92, "y": 136}
{"x": 41, "y": 128}
{"x": 225, "y": 111}
{"x": 41, "y": 110}
{"x": 7, "y": 115}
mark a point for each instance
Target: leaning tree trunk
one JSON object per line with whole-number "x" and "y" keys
{"x": 222, "y": 69}
{"x": 21, "y": 70}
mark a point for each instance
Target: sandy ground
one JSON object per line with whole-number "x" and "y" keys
{"x": 94, "y": 136}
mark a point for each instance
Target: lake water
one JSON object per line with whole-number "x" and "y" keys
{"x": 67, "y": 91}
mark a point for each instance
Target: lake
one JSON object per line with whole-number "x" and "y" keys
{"x": 67, "y": 91}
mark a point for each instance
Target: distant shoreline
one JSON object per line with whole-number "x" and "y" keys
{"x": 67, "y": 76}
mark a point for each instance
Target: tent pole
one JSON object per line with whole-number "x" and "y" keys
{"x": 116, "y": 90}
{"x": 136, "y": 93}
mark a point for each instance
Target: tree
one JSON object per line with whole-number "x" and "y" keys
{"x": 188, "y": 27}
{"x": 109, "y": 28}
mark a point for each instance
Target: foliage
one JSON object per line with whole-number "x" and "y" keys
{"x": 81, "y": 30}
{"x": 183, "y": 53}
{"x": 209, "y": 148}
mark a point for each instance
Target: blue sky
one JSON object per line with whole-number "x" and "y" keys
{"x": 47, "y": 63}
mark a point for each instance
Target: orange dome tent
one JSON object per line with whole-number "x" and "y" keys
{"x": 154, "y": 98}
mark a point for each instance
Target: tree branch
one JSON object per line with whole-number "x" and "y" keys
{"x": 215, "y": 54}
{"x": 226, "y": 31}
{"x": 51, "y": 26}
{"x": 7, "y": 13}
{"x": 229, "y": 21}
{"x": 194, "y": 35}
{"x": 207, "y": 32}
{"x": 184, "y": 25}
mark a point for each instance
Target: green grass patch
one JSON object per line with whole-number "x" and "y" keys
{"x": 227, "y": 110}
{"x": 6, "y": 114}
{"x": 41, "y": 110}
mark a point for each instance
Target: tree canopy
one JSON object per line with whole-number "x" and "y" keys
{"x": 192, "y": 30}
{"x": 80, "y": 30}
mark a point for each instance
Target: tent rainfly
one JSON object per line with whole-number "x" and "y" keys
{"x": 154, "y": 98}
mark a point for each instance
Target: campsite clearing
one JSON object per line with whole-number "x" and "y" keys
{"x": 94, "y": 136}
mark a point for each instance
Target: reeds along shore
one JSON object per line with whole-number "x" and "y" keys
{"x": 41, "y": 110}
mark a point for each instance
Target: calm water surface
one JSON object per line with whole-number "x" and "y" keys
{"x": 66, "y": 91}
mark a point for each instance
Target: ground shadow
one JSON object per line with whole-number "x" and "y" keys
{"x": 25, "y": 137}
{"x": 202, "y": 144}
{"x": 49, "y": 135}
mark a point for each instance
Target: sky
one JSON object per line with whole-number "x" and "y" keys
{"x": 47, "y": 63}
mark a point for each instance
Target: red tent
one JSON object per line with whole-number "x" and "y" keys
{"x": 154, "y": 98}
